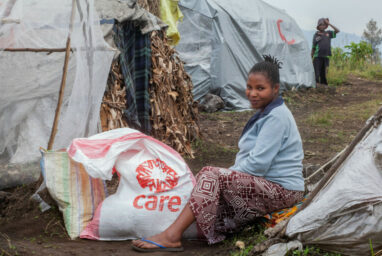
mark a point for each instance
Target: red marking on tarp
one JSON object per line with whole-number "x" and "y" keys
{"x": 282, "y": 35}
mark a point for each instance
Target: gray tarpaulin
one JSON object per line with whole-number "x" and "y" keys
{"x": 347, "y": 213}
{"x": 30, "y": 81}
{"x": 122, "y": 10}
{"x": 221, "y": 41}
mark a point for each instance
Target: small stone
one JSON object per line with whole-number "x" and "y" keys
{"x": 211, "y": 103}
{"x": 240, "y": 245}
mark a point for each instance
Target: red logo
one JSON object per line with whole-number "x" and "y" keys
{"x": 156, "y": 175}
{"x": 281, "y": 33}
{"x": 152, "y": 203}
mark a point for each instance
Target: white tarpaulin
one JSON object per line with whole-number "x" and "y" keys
{"x": 30, "y": 81}
{"x": 347, "y": 213}
{"x": 221, "y": 40}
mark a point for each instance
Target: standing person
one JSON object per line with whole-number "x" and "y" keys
{"x": 266, "y": 176}
{"x": 321, "y": 49}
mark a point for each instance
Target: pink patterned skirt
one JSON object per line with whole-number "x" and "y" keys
{"x": 223, "y": 201}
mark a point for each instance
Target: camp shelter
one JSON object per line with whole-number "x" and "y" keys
{"x": 221, "y": 40}
{"x": 346, "y": 214}
{"x": 343, "y": 211}
{"x": 33, "y": 42}
{"x": 128, "y": 27}
{"x": 147, "y": 85}
{"x": 32, "y": 54}
{"x": 112, "y": 11}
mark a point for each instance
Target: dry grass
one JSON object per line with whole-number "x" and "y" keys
{"x": 152, "y": 6}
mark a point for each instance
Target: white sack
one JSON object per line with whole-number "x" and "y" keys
{"x": 154, "y": 187}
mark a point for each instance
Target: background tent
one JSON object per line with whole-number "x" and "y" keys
{"x": 221, "y": 40}
{"x": 33, "y": 36}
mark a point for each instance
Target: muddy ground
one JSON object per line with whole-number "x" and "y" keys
{"x": 327, "y": 120}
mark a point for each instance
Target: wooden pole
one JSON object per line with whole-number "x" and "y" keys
{"x": 34, "y": 49}
{"x": 50, "y": 50}
{"x": 63, "y": 81}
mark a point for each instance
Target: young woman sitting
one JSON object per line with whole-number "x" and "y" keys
{"x": 266, "y": 176}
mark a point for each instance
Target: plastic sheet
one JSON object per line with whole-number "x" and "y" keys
{"x": 282, "y": 249}
{"x": 347, "y": 212}
{"x": 171, "y": 14}
{"x": 221, "y": 41}
{"x": 122, "y": 10}
{"x": 30, "y": 81}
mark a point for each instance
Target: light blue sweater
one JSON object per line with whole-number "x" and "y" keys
{"x": 272, "y": 148}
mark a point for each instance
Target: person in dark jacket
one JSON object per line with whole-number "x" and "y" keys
{"x": 321, "y": 49}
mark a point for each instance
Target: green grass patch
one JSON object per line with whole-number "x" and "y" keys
{"x": 361, "y": 111}
{"x": 332, "y": 115}
{"x": 370, "y": 72}
{"x": 228, "y": 116}
{"x": 243, "y": 252}
{"x": 251, "y": 236}
{"x": 311, "y": 251}
{"x": 203, "y": 147}
{"x": 337, "y": 77}
{"x": 339, "y": 135}
{"x": 289, "y": 100}
{"x": 355, "y": 60}
{"x": 320, "y": 119}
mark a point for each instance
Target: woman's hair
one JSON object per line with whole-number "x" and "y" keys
{"x": 269, "y": 67}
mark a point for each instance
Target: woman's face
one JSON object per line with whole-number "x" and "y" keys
{"x": 260, "y": 91}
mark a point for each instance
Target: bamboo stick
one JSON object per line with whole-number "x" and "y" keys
{"x": 34, "y": 49}
{"x": 63, "y": 80}
{"x": 49, "y": 50}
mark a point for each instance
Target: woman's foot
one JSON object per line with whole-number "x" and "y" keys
{"x": 163, "y": 239}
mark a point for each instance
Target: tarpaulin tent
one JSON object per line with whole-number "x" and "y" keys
{"x": 346, "y": 214}
{"x": 221, "y": 41}
{"x": 343, "y": 211}
{"x": 33, "y": 42}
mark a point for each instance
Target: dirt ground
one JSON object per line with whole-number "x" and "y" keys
{"x": 328, "y": 119}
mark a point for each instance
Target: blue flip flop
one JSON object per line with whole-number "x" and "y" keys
{"x": 160, "y": 248}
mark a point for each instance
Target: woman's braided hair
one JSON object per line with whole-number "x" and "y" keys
{"x": 269, "y": 67}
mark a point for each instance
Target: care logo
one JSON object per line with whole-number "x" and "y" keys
{"x": 156, "y": 175}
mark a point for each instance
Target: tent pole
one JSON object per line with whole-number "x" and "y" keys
{"x": 63, "y": 80}
{"x": 34, "y": 50}
{"x": 50, "y": 50}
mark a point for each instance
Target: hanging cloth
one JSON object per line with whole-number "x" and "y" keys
{"x": 135, "y": 61}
